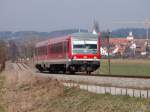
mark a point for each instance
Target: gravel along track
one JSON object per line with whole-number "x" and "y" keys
{"x": 101, "y": 80}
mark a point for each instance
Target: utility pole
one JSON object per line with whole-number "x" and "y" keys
{"x": 108, "y": 49}
{"x": 147, "y": 22}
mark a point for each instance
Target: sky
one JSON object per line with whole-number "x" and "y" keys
{"x": 50, "y": 15}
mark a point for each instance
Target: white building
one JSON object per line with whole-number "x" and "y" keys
{"x": 130, "y": 37}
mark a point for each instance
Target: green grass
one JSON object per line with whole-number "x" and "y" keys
{"x": 2, "y": 109}
{"x": 126, "y": 67}
{"x": 75, "y": 100}
{"x": 1, "y": 101}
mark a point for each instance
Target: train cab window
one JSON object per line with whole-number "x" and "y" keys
{"x": 91, "y": 46}
{"x": 78, "y": 46}
{"x": 84, "y": 47}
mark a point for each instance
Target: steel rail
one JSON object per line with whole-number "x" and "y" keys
{"x": 19, "y": 66}
{"x": 105, "y": 75}
{"x": 116, "y": 76}
{"x": 24, "y": 66}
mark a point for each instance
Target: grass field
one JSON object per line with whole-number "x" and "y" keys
{"x": 126, "y": 67}
{"x": 75, "y": 100}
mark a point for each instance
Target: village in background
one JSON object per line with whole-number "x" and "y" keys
{"x": 126, "y": 47}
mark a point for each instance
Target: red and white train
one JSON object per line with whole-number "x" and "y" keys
{"x": 78, "y": 52}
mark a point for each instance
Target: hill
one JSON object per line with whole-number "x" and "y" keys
{"x": 8, "y": 35}
{"x": 23, "y": 35}
{"x": 124, "y": 32}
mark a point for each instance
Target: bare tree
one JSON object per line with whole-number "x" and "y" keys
{"x": 13, "y": 50}
{"x": 2, "y": 54}
{"x": 96, "y": 27}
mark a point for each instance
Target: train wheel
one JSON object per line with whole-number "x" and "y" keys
{"x": 50, "y": 71}
{"x": 64, "y": 71}
{"x": 88, "y": 72}
{"x": 41, "y": 70}
{"x": 71, "y": 72}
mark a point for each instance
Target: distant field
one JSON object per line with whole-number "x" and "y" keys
{"x": 126, "y": 67}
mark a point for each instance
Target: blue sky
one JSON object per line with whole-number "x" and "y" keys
{"x": 49, "y": 15}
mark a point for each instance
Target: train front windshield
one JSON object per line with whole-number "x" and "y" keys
{"x": 84, "y": 47}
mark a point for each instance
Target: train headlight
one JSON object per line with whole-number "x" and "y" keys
{"x": 95, "y": 57}
{"x": 74, "y": 57}
{"x": 84, "y": 57}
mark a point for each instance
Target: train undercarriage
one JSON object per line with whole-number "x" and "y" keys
{"x": 71, "y": 67}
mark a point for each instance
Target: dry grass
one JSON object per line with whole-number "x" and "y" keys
{"x": 76, "y": 100}
{"x": 25, "y": 92}
{"x": 1, "y": 93}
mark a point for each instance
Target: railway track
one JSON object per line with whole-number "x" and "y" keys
{"x": 22, "y": 66}
{"x": 98, "y": 83}
{"x": 106, "y": 75}
{"x": 117, "y": 76}
{"x": 116, "y": 80}
{"x": 100, "y": 79}
{"x": 19, "y": 66}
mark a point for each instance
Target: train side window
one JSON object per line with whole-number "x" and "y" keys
{"x": 36, "y": 51}
{"x": 65, "y": 48}
{"x": 41, "y": 50}
{"x": 56, "y": 48}
{"x": 45, "y": 50}
{"x": 51, "y": 48}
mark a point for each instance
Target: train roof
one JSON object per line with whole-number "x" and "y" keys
{"x": 42, "y": 43}
{"x": 79, "y": 35}
{"x": 82, "y": 35}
